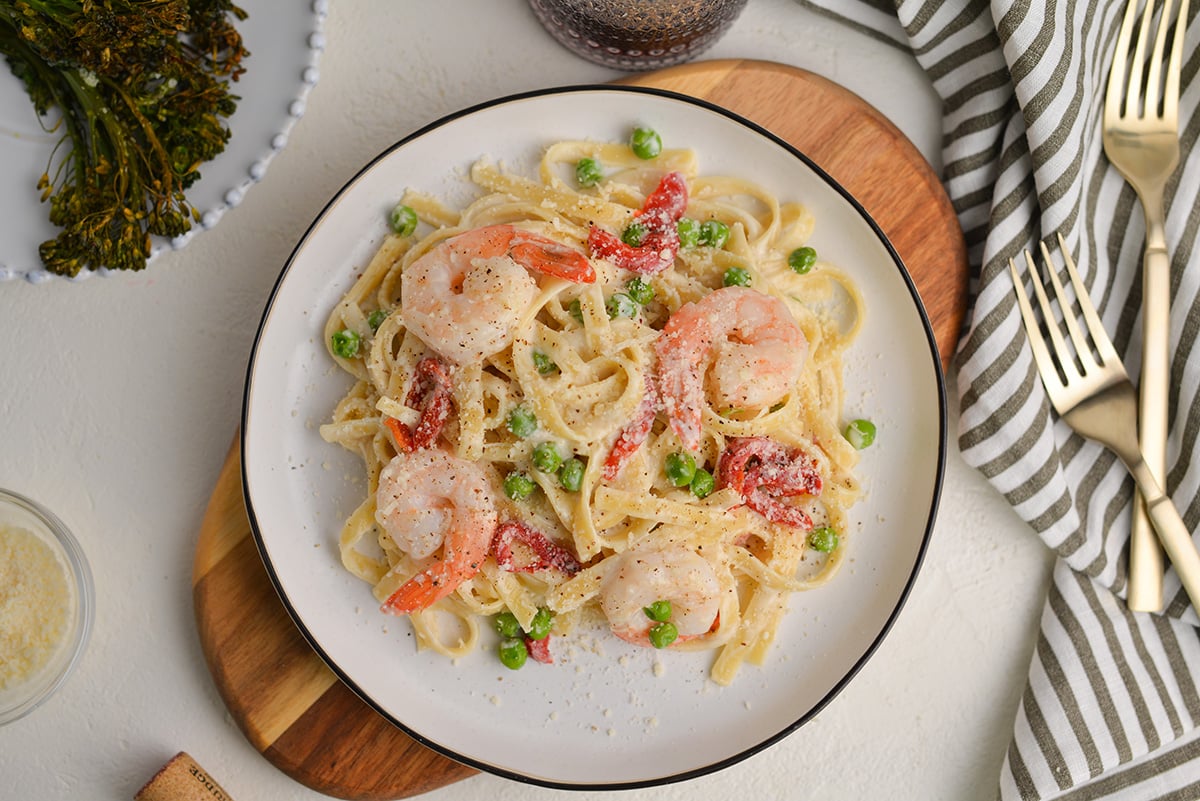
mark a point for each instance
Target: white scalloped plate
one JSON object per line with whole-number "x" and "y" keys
{"x": 285, "y": 41}
{"x": 607, "y": 714}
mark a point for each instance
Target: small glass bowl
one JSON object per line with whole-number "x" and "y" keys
{"x": 20, "y": 699}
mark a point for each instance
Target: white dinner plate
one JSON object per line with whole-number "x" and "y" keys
{"x": 603, "y": 716}
{"x": 285, "y": 41}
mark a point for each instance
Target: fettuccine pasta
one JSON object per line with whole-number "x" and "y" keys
{"x": 611, "y": 390}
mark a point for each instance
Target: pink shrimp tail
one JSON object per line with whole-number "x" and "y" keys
{"x": 531, "y": 251}
{"x": 551, "y": 258}
{"x": 438, "y": 580}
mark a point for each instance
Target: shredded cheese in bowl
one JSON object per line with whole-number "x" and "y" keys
{"x": 35, "y": 605}
{"x": 45, "y": 605}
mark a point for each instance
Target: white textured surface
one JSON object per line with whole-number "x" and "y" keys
{"x": 122, "y": 396}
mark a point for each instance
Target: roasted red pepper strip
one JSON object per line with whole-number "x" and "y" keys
{"x": 661, "y": 211}
{"x": 655, "y": 254}
{"x": 549, "y": 555}
{"x": 430, "y": 393}
{"x": 762, "y": 470}
{"x": 670, "y": 199}
{"x": 634, "y": 434}
{"x": 539, "y": 650}
{"x": 400, "y": 434}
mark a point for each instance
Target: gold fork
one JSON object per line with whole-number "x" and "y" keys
{"x": 1097, "y": 399}
{"x": 1141, "y": 139}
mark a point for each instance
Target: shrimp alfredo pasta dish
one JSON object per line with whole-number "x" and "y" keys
{"x": 610, "y": 392}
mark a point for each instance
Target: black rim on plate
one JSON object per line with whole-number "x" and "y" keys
{"x": 770, "y": 739}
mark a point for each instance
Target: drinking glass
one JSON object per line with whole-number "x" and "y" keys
{"x": 637, "y": 35}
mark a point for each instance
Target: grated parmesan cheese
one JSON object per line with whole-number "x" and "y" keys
{"x": 35, "y": 604}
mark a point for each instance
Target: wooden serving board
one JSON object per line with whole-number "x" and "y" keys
{"x": 290, "y": 706}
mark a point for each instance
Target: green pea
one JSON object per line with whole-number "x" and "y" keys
{"x": 513, "y": 653}
{"x": 640, "y": 290}
{"x": 823, "y": 539}
{"x": 714, "y": 233}
{"x": 506, "y": 625}
{"x": 345, "y": 343}
{"x": 659, "y": 611}
{"x": 576, "y": 310}
{"x": 403, "y": 220}
{"x": 703, "y": 483}
{"x": 587, "y": 172}
{"x": 663, "y": 634}
{"x": 547, "y": 458}
{"x": 518, "y": 486}
{"x": 376, "y": 318}
{"x": 620, "y": 305}
{"x": 680, "y": 468}
{"x": 737, "y": 276}
{"x": 570, "y": 475}
{"x": 860, "y": 433}
{"x": 645, "y": 143}
{"x": 689, "y": 232}
{"x": 543, "y": 363}
{"x": 634, "y": 234}
{"x": 522, "y": 421}
{"x": 801, "y": 260}
{"x": 539, "y": 627}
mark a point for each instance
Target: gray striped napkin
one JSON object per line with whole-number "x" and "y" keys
{"x": 1112, "y": 705}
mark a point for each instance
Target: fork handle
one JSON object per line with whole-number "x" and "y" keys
{"x": 1172, "y": 531}
{"x": 1145, "y": 557}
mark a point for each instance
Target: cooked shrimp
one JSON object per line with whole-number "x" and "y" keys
{"x": 642, "y": 576}
{"x": 430, "y": 501}
{"x": 465, "y": 297}
{"x": 745, "y": 343}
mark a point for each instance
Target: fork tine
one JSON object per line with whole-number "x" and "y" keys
{"x": 1153, "y": 87}
{"x": 1138, "y": 64}
{"x": 1174, "y": 67}
{"x": 1067, "y": 364}
{"x": 1041, "y": 356}
{"x": 1100, "y": 338}
{"x": 1083, "y": 348}
{"x": 1116, "y": 72}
